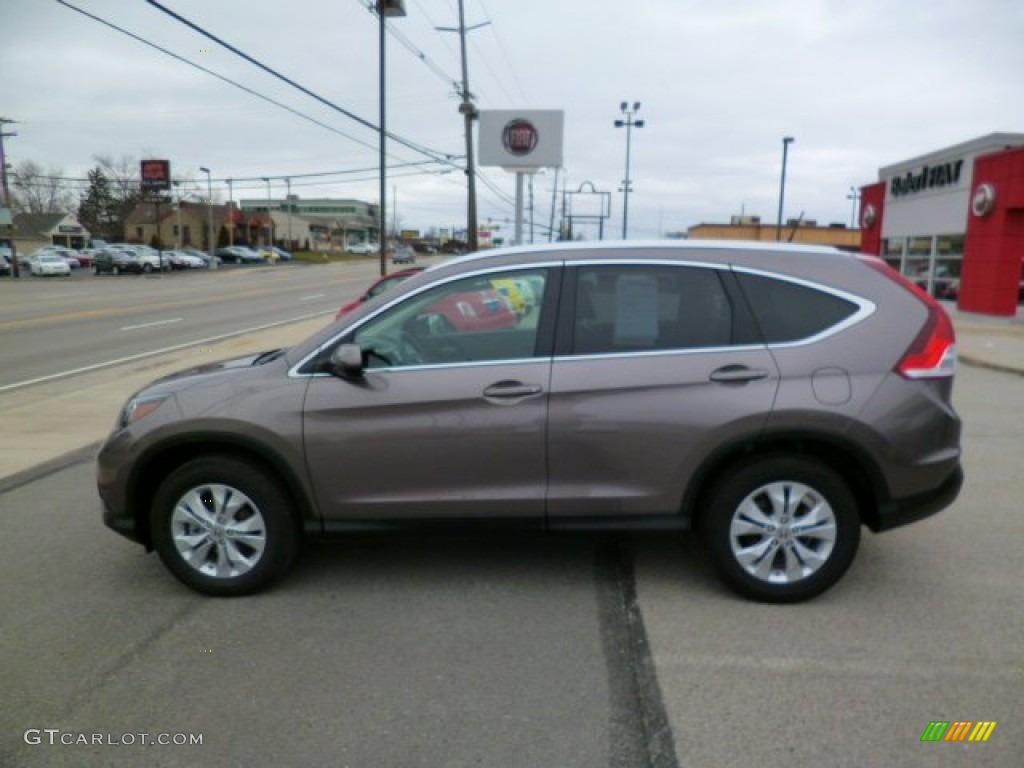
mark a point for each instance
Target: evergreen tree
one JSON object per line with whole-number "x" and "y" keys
{"x": 97, "y": 209}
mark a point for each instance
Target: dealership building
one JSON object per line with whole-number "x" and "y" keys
{"x": 955, "y": 216}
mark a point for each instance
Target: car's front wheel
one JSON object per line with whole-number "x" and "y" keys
{"x": 781, "y": 529}
{"x": 223, "y": 527}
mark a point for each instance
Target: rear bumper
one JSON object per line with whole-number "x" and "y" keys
{"x": 893, "y": 514}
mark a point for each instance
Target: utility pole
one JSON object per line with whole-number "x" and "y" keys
{"x": 469, "y": 112}
{"x": 7, "y": 194}
{"x": 288, "y": 202}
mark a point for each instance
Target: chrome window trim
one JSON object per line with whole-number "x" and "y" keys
{"x": 445, "y": 366}
{"x": 865, "y": 308}
{"x": 293, "y": 372}
{"x": 661, "y": 352}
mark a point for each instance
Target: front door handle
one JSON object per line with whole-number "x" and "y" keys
{"x": 511, "y": 390}
{"x": 738, "y": 374}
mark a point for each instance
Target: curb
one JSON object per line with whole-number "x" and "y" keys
{"x": 49, "y": 467}
{"x": 976, "y": 362}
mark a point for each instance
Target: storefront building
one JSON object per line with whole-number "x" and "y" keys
{"x": 953, "y": 221}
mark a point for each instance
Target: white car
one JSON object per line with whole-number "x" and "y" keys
{"x": 364, "y": 247}
{"x": 43, "y": 264}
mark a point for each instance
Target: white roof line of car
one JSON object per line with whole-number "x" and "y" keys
{"x": 674, "y": 245}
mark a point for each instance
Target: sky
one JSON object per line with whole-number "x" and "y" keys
{"x": 858, "y": 85}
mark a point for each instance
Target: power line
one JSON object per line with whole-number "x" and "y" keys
{"x": 208, "y": 71}
{"x": 370, "y": 6}
{"x": 434, "y": 154}
{"x": 504, "y": 53}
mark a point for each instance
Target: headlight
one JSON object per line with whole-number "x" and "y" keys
{"x": 139, "y": 407}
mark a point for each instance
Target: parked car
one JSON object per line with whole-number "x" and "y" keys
{"x": 364, "y": 247}
{"x": 378, "y": 287}
{"x": 273, "y": 253}
{"x": 85, "y": 257}
{"x": 65, "y": 253}
{"x": 115, "y": 261}
{"x": 181, "y": 260}
{"x": 403, "y": 254}
{"x": 774, "y": 398}
{"x": 48, "y": 263}
{"x": 202, "y": 256}
{"x": 239, "y": 254}
{"x": 5, "y": 262}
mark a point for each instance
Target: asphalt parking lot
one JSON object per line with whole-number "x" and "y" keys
{"x": 460, "y": 650}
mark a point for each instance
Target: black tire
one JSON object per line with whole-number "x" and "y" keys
{"x": 115, "y": 270}
{"x": 816, "y": 556}
{"x": 147, "y": 268}
{"x": 95, "y": 269}
{"x": 266, "y": 534}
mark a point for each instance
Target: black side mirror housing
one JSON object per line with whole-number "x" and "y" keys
{"x": 347, "y": 361}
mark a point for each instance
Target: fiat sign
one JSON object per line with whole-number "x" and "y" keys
{"x": 521, "y": 140}
{"x": 519, "y": 137}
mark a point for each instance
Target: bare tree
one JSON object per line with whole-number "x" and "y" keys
{"x": 40, "y": 191}
{"x": 123, "y": 188}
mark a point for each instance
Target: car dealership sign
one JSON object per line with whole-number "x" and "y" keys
{"x": 155, "y": 175}
{"x": 928, "y": 177}
{"x": 521, "y": 140}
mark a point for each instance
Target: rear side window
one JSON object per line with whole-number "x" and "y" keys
{"x": 790, "y": 312}
{"x": 634, "y": 308}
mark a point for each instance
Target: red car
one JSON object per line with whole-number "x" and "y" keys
{"x": 383, "y": 284}
{"x": 483, "y": 310}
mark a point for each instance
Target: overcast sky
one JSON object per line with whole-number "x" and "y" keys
{"x": 859, "y": 85}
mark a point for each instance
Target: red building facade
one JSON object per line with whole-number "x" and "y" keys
{"x": 953, "y": 221}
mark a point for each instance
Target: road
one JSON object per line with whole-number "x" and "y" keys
{"x": 50, "y": 326}
{"x": 473, "y": 650}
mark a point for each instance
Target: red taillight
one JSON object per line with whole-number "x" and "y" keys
{"x": 933, "y": 352}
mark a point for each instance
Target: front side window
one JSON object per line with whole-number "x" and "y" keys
{"x": 638, "y": 308}
{"x": 471, "y": 320}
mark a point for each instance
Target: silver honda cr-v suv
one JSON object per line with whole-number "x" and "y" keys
{"x": 774, "y": 398}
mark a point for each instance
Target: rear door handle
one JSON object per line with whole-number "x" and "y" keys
{"x": 511, "y": 390}
{"x": 738, "y": 374}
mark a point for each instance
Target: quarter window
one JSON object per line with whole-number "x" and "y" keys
{"x": 485, "y": 318}
{"x": 788, "y": 311}
{"x": 634, "y": 308}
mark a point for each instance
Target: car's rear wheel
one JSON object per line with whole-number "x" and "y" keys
{"x": 147, "y": 268}
{"x": 781, "y": 529}
{"x": 115, "y": 270}
{"x": 223, "y": 527}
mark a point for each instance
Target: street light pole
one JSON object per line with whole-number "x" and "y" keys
{"x": 629, "y": 123}
{"x": 209, "y": 217}
{"x": 782, "y": 185}
{"x": 385, "y": 9}
{"x": 853, "y": 197}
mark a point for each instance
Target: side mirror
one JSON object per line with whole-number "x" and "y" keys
{"x": 347, "y": 361}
